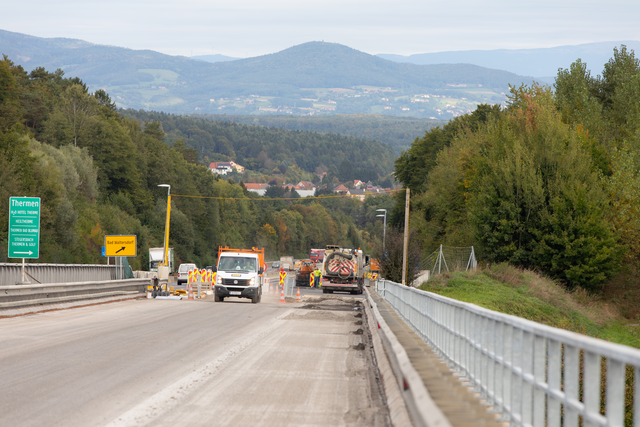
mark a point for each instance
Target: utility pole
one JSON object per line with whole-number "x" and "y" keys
{"x": 384, "y": 227}
{"x": 406, "y": 239}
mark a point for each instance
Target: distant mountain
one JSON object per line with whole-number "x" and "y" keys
{"x": 214, "y": 58}
{"x": 314, "y": 77}
{"x": 528, "y": 62}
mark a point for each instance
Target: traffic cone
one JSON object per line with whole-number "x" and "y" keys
{"x": 298, "y": 295}
{"x": 190, "y": 292}
{"x": 282, "y": 295}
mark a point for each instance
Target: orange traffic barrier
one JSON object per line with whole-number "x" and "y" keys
{"x": 282, "y": 295}
{"x": 298, "y": 295}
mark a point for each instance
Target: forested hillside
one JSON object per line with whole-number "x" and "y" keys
{"x": 399, "y": 132}
{"x": 98, "y": 172}
{"x": 550, "y": 183}
{"x": 264, "y": 150}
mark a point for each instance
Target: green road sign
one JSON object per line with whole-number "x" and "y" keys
{"x": 24, "y": 227}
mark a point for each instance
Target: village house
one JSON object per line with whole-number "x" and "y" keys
{"x": 257, "y": 187}
{"x": 223, "y": 168}
{"x": 341, "y": 189}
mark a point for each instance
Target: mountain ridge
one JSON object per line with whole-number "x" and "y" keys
{"x": 536, "y": 62}
{"x": 310, "y": 78}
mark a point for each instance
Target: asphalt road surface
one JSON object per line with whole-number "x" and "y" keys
{"x": 168, "y": 363}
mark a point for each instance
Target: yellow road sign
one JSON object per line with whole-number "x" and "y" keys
{"x": 120, "y": 245}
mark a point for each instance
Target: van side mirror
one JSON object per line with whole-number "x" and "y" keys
{"x": 260, "y": 270}
{"x": 214, "y": 268}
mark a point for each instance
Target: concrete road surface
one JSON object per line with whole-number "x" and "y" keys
{"x": 168, "y": 363}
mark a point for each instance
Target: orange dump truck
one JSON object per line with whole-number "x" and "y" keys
{"x": 240, "y": 274}
{"x": 303, "y": 273}
{"x": 373, "y": 269}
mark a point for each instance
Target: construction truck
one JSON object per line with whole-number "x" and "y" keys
{"x": 343, "y": 270}
{"x": 303, "y": 272}
{"x": 286, "y": 263}
{"x": 373, "y": 269}
{"x": 316, "y": 255}
{"x": 239, "y": 273}
{"x": 156, "y": 256}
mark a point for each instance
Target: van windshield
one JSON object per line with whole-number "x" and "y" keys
{"x": 237, "y": 264}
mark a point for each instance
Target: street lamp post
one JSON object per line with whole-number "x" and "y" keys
{"x": 384, "y": 229}
{"x": 165, "y": 261}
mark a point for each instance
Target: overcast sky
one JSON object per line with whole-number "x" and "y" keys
{"x": 245, "y": 28}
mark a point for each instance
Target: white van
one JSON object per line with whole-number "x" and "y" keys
{"x": 183, "y": 272}
{"x": 240, "y": 275}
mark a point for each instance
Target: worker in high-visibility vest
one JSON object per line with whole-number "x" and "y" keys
{"x": 318, "y": 277}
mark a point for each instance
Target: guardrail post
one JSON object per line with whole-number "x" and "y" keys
{"x": 571, "y": 382}
{"x": 539, "y": 373}
{"x": 554, "y": 369}
{"x": 615, "y": 393}
{"x": 591, "y": 384}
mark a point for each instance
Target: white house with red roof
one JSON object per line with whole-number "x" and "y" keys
{"x": 223, "y": 168}
{"x": 257, "y": 187}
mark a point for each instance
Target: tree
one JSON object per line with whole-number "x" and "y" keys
{"x": 345, "y": 171}
{"x": 10, "y": 110}
{"x": 535, "y": 200}
{"x": 391, "y": 261}
{"x": 78, "y": 108}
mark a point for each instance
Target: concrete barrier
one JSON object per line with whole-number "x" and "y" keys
{"x": 18, "y": 296}
{"x": 424, "y": 412}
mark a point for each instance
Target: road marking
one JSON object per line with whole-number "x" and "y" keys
{"x": 146, "y": 412}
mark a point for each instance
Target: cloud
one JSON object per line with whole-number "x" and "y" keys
{"x": 251, "y": 27}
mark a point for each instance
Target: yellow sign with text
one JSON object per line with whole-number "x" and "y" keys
{"x": 120, "y": 246}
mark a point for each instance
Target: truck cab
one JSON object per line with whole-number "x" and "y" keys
{"x": 240, "y": 274}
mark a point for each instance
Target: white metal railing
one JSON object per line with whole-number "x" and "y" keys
{"x": 529, "y": 372}
{"x": 11, "y": 273}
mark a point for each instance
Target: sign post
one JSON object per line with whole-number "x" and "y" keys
{"x": 24, "y": 229}
{"x": 120, "y": 246}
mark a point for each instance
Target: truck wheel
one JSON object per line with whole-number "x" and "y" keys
{"x": 255, "y": 299}
{"x": 216, "y": 298}
{"x": 324, "y": 291}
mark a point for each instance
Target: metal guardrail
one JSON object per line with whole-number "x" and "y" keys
{"x": 11, "y": 273}
{"x": 533, "y": 374}
{"x": 30, "y": 295}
